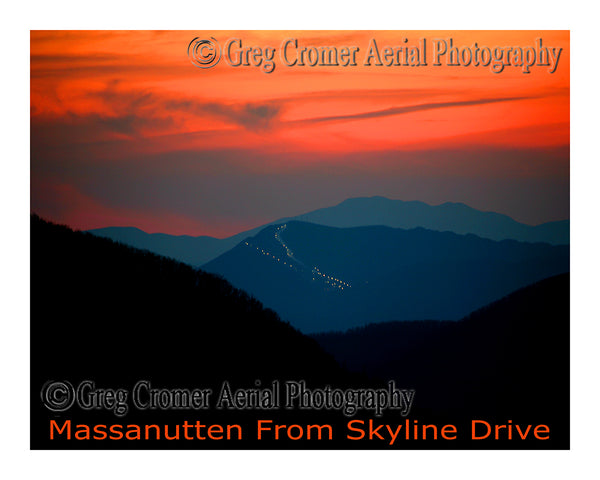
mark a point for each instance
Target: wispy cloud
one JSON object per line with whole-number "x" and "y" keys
{"x": 252, "y": 116}
{"x": 387, "y": 112}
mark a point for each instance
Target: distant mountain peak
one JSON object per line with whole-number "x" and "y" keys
{"x": 454, "y": 217}
{"x": 123, "y": 229}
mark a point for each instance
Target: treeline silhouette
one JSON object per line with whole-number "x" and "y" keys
{"x": 509, "y": 359}
{"x": 105, "y": 309}
{"x": 113, "y": 314}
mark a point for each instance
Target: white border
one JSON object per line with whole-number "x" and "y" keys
{"x": 19, "y": 462}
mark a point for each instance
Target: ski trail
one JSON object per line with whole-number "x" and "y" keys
{"x": 316, "y": 273}
{"x": 288, "y": 251}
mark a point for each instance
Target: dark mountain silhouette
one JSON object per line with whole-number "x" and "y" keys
{"x": 112, "y": 314}
{"x": 354, "y": 212}
{"x": 322, "y": 278}
{"x": 115, "y": 315}
{"x": 510, "y": 357}
{"x": 142, "y": 313}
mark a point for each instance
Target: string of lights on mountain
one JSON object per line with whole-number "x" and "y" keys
{"x": 317, "y": 275}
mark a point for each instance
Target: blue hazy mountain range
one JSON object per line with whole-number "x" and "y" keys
{"x": 355, "y": 212}
{"x": 322, "y": 278}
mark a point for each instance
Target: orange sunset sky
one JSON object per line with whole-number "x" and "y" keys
{"x": 125, "y": 131}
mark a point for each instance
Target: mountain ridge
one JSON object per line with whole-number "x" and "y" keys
{"x": 320, "y": 278}
{"x": 511, "y": 355}
{"x": 455, "y": 217}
